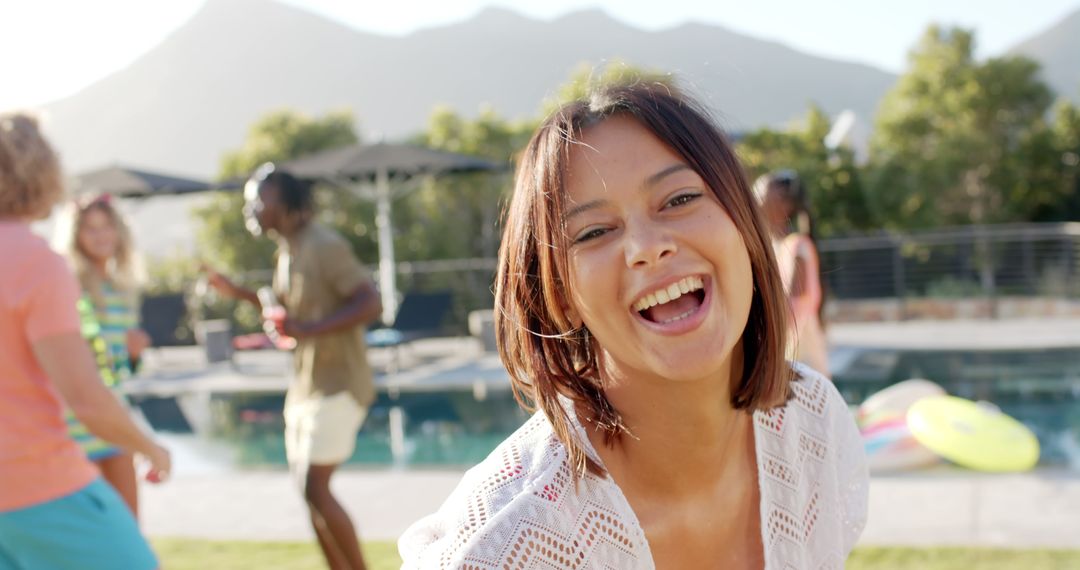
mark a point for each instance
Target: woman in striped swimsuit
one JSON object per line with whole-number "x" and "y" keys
{"x": 98, "y": 244}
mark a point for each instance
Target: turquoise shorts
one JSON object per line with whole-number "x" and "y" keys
{"x": 90, "y": 529}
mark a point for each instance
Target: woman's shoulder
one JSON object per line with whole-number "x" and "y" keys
{"x": 814, "y": 476}
{"x": 524, "y": 493}
{"x": 813, "y": 411}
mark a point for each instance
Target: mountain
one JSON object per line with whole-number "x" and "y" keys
{"x": 1058, "y": 50}
{"x": 186, "y": 101}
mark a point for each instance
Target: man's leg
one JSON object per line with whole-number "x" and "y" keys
{"x": 338, "y": 526}
{"x": 298, "y": 440}
{"x": 335, "y": 560}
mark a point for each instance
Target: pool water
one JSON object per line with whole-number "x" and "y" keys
{"x": 447, "y": 429}
{"x": 454, "y": 429}
{"x": 1040, "y": 388}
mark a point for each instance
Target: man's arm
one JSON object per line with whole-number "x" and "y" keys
{"x": 226, "y": 287}
{"x": 362, "y": 307}
{"x": 69, "y": 364}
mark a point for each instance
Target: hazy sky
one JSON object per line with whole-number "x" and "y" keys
{"x": 52, "y": 48}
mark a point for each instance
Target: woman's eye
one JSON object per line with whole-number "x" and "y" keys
{"x": 683, "y": 199}
{"x": 590, "y": 234}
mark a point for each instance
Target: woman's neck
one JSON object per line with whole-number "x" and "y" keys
{"x": 684, "y": 435}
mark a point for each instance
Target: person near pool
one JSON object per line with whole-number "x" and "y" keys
{"x": 639, "y": 307}
{"x": 56, "y": 512}
{"x": 786, "y": 208}
{"x": 99, "y": 246}
{"x": 329, "y": 298}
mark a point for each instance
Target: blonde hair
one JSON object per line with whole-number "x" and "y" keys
{"x": 31, "y": 182}
{"x": 122, "y": 272}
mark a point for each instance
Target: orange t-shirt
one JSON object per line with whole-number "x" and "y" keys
{"x": 38, "y": 296}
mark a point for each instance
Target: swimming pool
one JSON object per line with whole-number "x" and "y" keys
{"x": 454, "y": 428}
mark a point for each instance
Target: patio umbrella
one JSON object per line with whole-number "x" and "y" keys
{"x": 380, "y": 172}
{"x": 129, "y": 182}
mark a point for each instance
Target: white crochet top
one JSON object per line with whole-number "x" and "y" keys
{"x": 519, "y": 508}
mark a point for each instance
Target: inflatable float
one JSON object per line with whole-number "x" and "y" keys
{"x": 882, "y": 419}
{"x": 974, "y": 435}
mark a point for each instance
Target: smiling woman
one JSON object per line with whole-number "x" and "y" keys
{"x": 639, "y": 307}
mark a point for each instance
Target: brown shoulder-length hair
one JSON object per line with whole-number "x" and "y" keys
{"x": 543, "y": 353}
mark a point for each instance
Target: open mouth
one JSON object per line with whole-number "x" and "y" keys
{"x": 672, "y": 303}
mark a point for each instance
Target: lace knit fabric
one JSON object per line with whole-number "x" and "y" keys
{"x": 519, "y": 509}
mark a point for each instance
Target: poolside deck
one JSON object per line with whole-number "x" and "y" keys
{"x": 448, "y": 364}
{"x": 966, "y": 335}
{"x": 939, "y": 507}
{"x": 429, "y": 365}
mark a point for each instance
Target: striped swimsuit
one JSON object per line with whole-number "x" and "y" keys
{"x": 106, "y": 331}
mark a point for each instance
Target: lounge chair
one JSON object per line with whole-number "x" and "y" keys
{"x": 421, "y": 315}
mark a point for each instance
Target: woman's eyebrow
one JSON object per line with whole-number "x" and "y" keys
{"x": 650, "y": 182}
{"x": 580, "y": 208}
{"x": 656, "y": 178}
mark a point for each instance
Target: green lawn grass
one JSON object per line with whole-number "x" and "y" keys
{"x": 962, "y": 559}
{"x": 192, "y": 554}
{"x": 189, "y": 554}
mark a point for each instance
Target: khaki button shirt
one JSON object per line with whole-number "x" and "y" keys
{"x": 316, "y": 273}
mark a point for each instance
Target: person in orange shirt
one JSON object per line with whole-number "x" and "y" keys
{"x": 56, "y": 512}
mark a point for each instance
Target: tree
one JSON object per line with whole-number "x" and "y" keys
{"x": 456, "y": 217}
{"x": 286, "y": 134}
{"x": 450, "y": 204}
{"x": 945, "y": 134}
{"x": 1066, "y": 129}
{"x": 1045, "y": 169}
{"x": 830, "y": 176}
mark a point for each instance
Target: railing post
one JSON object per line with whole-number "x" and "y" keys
{"x": 1030, "y": 278}
{"x": 899, "y": 280}
{"x": 1068, "y": 244}
{"x": 986, "y": 270}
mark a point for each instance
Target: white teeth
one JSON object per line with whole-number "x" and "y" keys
{"x": 670, "y": 293}
{"x": 678, "y": 317}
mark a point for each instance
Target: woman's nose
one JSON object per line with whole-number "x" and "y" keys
{"x": 647, "y": 243}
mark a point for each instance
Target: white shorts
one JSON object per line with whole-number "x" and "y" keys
{"x": 321, "y": 431}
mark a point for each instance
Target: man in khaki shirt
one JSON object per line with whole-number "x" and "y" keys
{"x": 329, "y": 298}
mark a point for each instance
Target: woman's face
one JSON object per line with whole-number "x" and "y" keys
{"x": 98, "y": 238}
{"x": 658, "y": 271}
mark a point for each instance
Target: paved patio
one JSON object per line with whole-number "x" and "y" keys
{"x": 942, "y": 507}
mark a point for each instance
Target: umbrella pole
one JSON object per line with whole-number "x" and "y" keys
{"x": 384, "y": 225}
